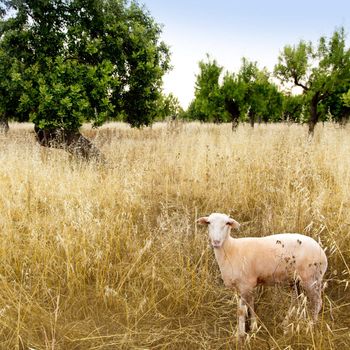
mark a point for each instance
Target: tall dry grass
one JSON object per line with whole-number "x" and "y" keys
{"x": 110, "y": 257}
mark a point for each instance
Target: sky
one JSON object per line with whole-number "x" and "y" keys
{"x": 232, "y": 29}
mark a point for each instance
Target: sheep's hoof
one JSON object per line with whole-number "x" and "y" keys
{"x": 242, "y": 340}
{"x": 241, "y": 336}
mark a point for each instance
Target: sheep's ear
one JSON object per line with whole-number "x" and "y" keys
{"x": 203, "y": 220}
{"x": 233, "y": 224}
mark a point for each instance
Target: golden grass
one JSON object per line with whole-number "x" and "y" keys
{"x": 110, "y": 257}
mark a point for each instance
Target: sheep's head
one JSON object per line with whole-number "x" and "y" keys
{"x": 219, "y": 226}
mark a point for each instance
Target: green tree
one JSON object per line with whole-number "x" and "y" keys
{"x": 10, "y": 89}
{"x": 273, "y": 111}
{"x": 233, "y": 94}
{"x": 169, "y": 106}
{"x": 259, "y": 98}
{"x": 249, "y": 92}
{"x": 293, "y": 108}
{"x": 247, "y": 77}
{"x": 208, "y": 104}
{"x": 335, "y": 106}
{"x": 319, "y": 71}
{"x": 82, "y": 60}
{"x": 346, "y": 98}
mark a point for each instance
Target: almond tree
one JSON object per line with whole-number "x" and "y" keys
{"x": 253, "y": 92}
{"x": 207, "y": 105}
{"x": 318, "y": 70}
{"x": 80, "y": 60}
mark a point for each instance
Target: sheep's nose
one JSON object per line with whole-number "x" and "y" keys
{"x": 216, "y": 242}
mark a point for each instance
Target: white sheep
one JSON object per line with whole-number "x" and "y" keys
{"x": 277, "y": 259}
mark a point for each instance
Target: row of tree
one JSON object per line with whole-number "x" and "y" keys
{"x": 322, "y": 72}
{"x": 247, "y": 94}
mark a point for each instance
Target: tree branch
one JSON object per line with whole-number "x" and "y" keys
{"x": 297, "y": 83}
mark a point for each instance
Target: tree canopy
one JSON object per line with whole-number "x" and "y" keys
{"x": 208, "y": 102}
{"x": 67, "y": 61}
{"x": 247, "y": 93}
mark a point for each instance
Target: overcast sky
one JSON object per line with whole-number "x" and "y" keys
{"x": 231, "y": 29}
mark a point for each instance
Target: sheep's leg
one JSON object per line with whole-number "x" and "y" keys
{"x": 246, "y": 308}
{"x": 313, "y": 292}
{"x": 253, "y": 321}
{"x": 252, "y": 325}
{"x": 241, "y": 314}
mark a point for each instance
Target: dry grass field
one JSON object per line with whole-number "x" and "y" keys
{"x": 109, "y": 257}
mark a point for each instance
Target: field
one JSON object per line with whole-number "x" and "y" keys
{"x": 109, "y": 256}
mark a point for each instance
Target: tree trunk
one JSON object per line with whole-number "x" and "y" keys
{"x": 313, "y": 114}
{"x": 344, "y": 117}
{"x": 4, "y": 124}
{"x": 251, "y": 118}
{"x": 72, "y": 141}
{"x": 232, "y": 108}
{"x": 234, "y": 124}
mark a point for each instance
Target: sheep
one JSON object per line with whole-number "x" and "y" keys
{"x": 286, "y": 258}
